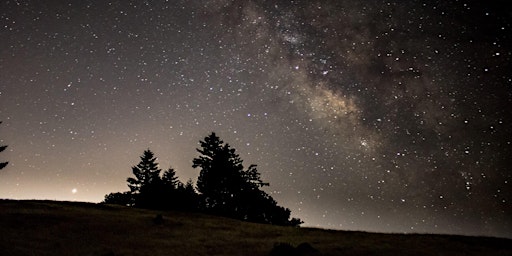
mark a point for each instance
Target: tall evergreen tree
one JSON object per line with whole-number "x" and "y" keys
{"x": 145, "y": 172}
{"x": 227, "y": 189}
{"x": 170, "y": 179}
{"x": 2, "y": 148}
{"x": 147, "y": 183}
{"x": 169, "y": 191}
{"x": 220, "y": 177}
{"x": 187, "y": 197}
{"x": 189, "y": 188}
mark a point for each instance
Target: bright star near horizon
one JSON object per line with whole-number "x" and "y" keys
{"x": 74, "y": 190}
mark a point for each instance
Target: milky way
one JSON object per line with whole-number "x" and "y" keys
{"x": 377, "y": 115}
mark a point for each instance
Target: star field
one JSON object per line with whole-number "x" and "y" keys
{"x": 377, "y": 115}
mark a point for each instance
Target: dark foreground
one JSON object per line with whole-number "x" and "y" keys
{"x": 66, "y": 228}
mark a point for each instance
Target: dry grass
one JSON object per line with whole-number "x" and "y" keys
{"x": 65, "y": 228}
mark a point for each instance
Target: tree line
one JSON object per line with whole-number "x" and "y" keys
{"x": 224, "y": 187}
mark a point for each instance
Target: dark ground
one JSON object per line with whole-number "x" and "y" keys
{"x": 72, "y": 228}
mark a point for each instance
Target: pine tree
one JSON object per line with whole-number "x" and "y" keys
{"x": 170, "y": 191}
{"x": 146, "y": 185}
{"x": 188, "y": 200}
{"x": 189, "y": 188}
{"x": 227, "y": 189}
{"x": 170, "y": 179}
{"x": 145, "y": 172}
{"x": 3, "y": 164}
{"x": 220, "y": 177}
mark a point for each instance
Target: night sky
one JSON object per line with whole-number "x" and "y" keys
{"x": 387, "y": 116}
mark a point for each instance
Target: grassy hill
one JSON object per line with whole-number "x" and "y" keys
{"x": 71, "y": 228}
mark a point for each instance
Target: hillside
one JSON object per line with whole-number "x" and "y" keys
{"x": 71, "y": 228}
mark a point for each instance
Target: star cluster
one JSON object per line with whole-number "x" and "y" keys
{"x": 375, "y": 115}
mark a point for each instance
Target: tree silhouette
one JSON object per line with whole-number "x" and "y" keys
{"x": 171, "y": 191}
{"x": 149, "y": 190}
{"x": 119, "y": 198}
{"x": 2, "y": 148}
{"x": 146, "y": 172}
{"x": 146, "y": 185}
{"x": 170, "y": 179}
{"x": 186, "y": 197}
{"x": 227, "y": 189}
{"x": 218, "y": 169}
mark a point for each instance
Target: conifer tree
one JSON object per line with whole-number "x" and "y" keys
{"x": 170, "y": 179}
{"x": 188, "y": 200}
{"x": 146, "y": 172}
{"x": 227, "y": 189}
{"x": 146, "y": 186}
{"x": 169, "y": 191}
{"x": 3, "y": 164}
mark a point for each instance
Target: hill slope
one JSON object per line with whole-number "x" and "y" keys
{"x": 70, "y": 228}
